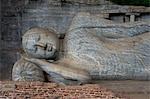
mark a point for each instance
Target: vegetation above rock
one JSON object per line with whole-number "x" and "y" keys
{"x": 132, "y": 2}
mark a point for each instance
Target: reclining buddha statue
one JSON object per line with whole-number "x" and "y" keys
{"x": 94, "y": 49}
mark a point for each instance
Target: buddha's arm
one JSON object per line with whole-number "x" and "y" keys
{"x": 65, "y": 71}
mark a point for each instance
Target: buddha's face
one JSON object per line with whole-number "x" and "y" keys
{"x": 40, "y": 43}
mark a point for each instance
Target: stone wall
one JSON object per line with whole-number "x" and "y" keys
{"x": 20, "y": 15}
{"x": 40, "y": 90}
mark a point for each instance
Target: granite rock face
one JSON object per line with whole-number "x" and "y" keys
{"x": 95, "y": 48}
{"x": 109, "y": 50}
{"x": 18, "y": 16}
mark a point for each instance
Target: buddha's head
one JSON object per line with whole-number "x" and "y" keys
{"x": 40, "y": 43}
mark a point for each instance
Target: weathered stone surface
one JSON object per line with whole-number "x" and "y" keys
{"x": 106, "y": 28}
{"x": 105, "y": 49}
{"x": 7, "y": 59}
{"x": 109, "y": 50}
{"x": 52, "y": 16}
{"x": 10, "y": 40}
{"x": 26, "y": 71}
